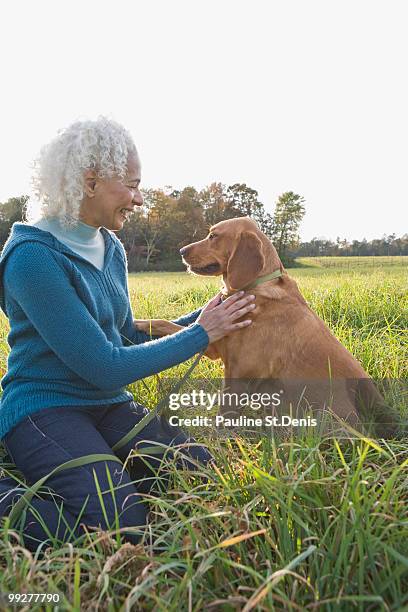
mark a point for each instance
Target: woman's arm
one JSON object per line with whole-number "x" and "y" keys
{"x": 42, "y": 288}
{"x": 188, "y": 318}
{"x": 132, "y": 333}
{"x": 150, "y": 329}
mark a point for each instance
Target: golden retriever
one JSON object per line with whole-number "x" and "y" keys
{"x": 286, "y": 342}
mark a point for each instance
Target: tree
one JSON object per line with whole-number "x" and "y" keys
{"x": 189, "y": 217}
{"x": 145, "y": 231}
{"x": 287, "y": 217}
{"x": 243, "y": 201}
{"x": 149, "y": 229}
{"x": 11, "y": 211}
{"x": 213, "y": 200}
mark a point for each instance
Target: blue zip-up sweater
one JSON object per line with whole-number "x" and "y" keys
{"x": 72, "y": 338}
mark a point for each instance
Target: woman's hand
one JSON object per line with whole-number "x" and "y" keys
{"x": 143, "y": 325}
{"x": 218, "y": 318}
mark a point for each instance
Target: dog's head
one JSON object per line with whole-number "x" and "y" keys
{"x": 234, "y": 248}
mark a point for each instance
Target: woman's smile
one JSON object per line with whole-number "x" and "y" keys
{"x": 125, "y": 213}
{"x": 110, "y": 202}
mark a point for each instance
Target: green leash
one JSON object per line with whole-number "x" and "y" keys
{"x": 20, "y": 505}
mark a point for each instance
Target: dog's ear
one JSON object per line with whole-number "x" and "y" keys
{"x": 246, "y": 261}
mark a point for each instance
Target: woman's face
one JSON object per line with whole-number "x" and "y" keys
{"x": 108, "y": 202}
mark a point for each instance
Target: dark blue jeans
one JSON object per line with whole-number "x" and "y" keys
{"x": 52, "y": 436}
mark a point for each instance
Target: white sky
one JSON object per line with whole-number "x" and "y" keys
{"x": 299, "y": 95}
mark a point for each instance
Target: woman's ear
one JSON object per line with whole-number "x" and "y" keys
{"x": 90, "y": 183}
{"x": 246, "y": 261}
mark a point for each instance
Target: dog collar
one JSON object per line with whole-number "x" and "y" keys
{"x": 260, "y": 280}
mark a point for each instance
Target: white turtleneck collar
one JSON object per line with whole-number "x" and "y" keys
{"x": 82, "y": 238}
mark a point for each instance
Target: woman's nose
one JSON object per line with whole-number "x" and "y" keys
{"x": 137, "y": 199}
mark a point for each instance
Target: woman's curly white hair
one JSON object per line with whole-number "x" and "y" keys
{"x": 58, "y": 180}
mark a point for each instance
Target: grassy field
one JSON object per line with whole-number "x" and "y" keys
{"x": 366, "y": 262}
{"x": 304, "y": 524}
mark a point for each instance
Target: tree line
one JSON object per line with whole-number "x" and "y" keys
{"x": 171, "y": 218}
{"x": 320, "y": 247}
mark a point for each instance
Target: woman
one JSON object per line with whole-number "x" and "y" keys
{"x": 74, "y": 345}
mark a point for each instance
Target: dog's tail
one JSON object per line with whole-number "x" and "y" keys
{"x": 380, "y": 419}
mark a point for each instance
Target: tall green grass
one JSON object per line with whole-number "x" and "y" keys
{"x": 300, "y": 524}
{"x": 368, "y": 312}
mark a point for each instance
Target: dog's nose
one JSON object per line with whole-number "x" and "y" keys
{"x": 183, "y": 251}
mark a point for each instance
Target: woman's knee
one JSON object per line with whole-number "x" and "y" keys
{"x": 118, "y": 508}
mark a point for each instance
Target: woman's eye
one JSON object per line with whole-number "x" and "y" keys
{"x": 211, "y": 236}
